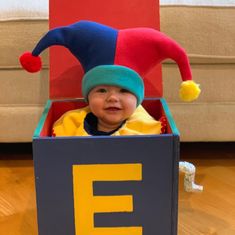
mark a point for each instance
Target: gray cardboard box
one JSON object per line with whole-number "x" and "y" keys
{"x": 139, "y": 178}
{"x": 111, "y": 185}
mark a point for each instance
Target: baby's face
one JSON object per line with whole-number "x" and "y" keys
{"x": 111, "y": 105}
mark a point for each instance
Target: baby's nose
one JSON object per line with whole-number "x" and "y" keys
{"x": 112, "y": 96}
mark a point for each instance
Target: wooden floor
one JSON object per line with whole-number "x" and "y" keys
{"x": 211, "y": 212}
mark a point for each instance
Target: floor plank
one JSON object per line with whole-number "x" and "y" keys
{"x": 211, "y": 212}
{"x": 17, "y": 192}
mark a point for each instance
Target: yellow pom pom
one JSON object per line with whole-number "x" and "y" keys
{"x": 189, "y": 91}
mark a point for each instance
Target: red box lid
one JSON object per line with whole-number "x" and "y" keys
{"x": 65, "y": 70}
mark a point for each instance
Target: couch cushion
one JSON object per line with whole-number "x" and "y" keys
{"x": 205, "y": 121}
{"x": 17, "y": 123}
{"x": 207, "y": 33}
{"x": 217, "y": 82}
{"x": 21, "y": 88}
{"x": 17, "y": 37}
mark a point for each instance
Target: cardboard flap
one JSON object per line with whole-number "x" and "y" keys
{"x": 65, "y": 70}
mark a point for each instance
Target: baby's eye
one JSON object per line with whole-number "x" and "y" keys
{"x": 101, "y": 90}
{"x": 124, "y": 90}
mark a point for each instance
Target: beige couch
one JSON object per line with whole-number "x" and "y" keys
{"x": 22, "y": 95}
{"x": 206, "y": 33}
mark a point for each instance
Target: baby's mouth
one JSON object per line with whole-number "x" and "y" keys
{"x": 112, "y": 108}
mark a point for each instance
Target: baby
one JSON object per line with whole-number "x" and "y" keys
{"x": 113, "y": 106}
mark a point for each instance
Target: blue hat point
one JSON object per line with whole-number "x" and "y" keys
{"x": 94, "y": 45}
{"x": 91, "y": 43}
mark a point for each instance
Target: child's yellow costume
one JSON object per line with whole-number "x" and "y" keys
{"x": 140, "y": 122}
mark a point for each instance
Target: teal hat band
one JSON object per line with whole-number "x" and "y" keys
{"x": 113, "y": 75}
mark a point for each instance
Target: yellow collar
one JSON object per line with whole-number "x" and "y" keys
{"x": 140, "y": 123}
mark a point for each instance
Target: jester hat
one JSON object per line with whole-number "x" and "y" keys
{"x": 115, "y": 57}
